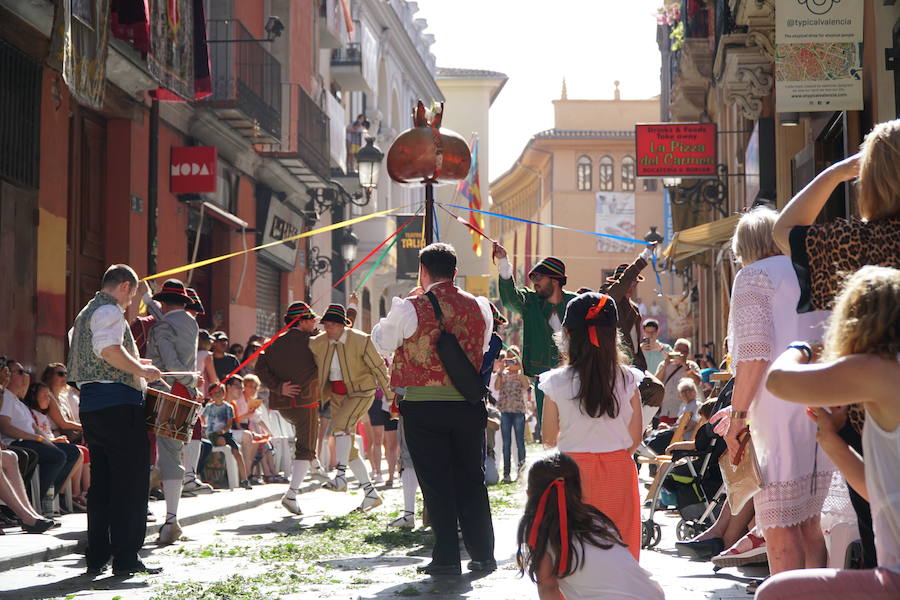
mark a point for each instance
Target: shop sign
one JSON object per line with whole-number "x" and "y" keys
{"x": 282, "y": 223}
{"x": 193, "y": 169}
{"x": 410, "y": 241}
{"x": 675, "y": 149}
{"x": 818, "y": 56}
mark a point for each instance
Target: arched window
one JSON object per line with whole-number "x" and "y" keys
{"x": 607, "y": 166}
{"x": 628, "y": 174}
{"x": 583, "y": 174}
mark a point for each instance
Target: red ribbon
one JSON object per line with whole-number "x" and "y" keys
{"x": 255, "y": 354}
{"x": 592, "y": 314}
{"x": 560, "y": 484}
{"x": 372, "y": 253}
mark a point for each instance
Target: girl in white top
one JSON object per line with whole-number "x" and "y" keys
{"x": 571, "y": 549}
{"x": 862, "y": 348}
{"x": 592, "y": 412}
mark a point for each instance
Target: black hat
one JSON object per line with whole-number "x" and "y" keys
{"x": 195, "y": 304}
{"x": 174, "y": 292}
{"x": 584, "y": 290}
{"x": 336, "y": 313}
{"x": 591, "y": 310}
{"x": 499, "y": 319}
{"x": 299, "y": 310}
{"x": 620, "y": 270}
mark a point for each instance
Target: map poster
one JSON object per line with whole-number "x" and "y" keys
{"x": 818, "y": 55}
{"x": 614, "y": 216}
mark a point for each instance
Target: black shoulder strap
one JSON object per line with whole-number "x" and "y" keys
{"x": 437, "y": 309}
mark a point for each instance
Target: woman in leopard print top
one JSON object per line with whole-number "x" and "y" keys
{"x": 824, "y": 253}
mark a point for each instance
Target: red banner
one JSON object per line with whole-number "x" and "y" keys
{"x": 193, "y": 169}
{"x": 675, "y": 149}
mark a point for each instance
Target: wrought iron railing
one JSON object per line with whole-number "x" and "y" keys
{"x": 20, "y": 102}
{"x": 306, "y": 134}
{"x": 695, "y": 15}
{"x": 351, "y": 55}
{"x": 245, "y": 73}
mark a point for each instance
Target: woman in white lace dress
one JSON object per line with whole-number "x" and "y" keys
{"x": 763, "y": 321}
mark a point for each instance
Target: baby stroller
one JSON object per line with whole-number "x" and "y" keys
{"x": 693, "y": 478}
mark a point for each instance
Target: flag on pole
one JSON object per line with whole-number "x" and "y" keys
{"x": 470, "y": 188}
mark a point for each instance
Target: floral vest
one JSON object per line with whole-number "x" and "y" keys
{"x": 416, "y": 362}
{"x": 84, "y": 365}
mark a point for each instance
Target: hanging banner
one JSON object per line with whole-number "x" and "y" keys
{"x": 614, "y": 216}
{"x": 171, "y": 58}
{"x": 818, "y": 55}
{"x": 79, "y": 46}
{"x": 409, "y": 242}
{"x": 675, "y": 149}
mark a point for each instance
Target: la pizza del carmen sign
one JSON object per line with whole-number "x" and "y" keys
{"x": 675, "y": 149}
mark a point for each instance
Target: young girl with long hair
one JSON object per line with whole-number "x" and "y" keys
{"x": 862, "y": 364}
{"x": 571, "y": 549}
{"x": 592, "y": 411}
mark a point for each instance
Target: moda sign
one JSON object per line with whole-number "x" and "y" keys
{"x": 193, "y": 169}
{"x": 675, "y": 149}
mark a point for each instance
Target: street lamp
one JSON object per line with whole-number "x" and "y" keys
{"x": 368, "y": 165}
{"x": 349, "y": 243}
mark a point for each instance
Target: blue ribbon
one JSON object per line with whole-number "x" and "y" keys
{"x": 606, "y": 235}
{"x": 437, "y": 230}
{"x": 659, "y": 286}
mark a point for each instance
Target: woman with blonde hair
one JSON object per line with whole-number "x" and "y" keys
{"x": 762, "y": 322}
{"x": 823, "y": 252}
{"x": 862, "y": 364}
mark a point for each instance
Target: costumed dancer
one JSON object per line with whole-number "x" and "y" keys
{"x": 620, "y": 286}
{"x": 197, "y": 450}
{"x": 287, "y": 367}
{"x": 542, "y": 310}
{"x": 172, "y": 346}
{"x": 349, "y": 370}
{"x": 444, "y": 432}
{"x": 105, "y": 365}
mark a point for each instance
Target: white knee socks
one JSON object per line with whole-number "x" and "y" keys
{"x": 359, "y": 471}
{"x": 342, "y": 449}
{"x": 410, "y": 484}
{"x": 191, "y": 456}
{"x": 172, "y": 491}
{"x": 299, "y": 469}
{"x": 325, "y": 455}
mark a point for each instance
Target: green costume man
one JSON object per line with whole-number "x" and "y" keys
{"x": 542, "y": 310}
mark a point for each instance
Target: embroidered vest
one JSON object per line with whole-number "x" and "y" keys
{"x": 416, "y": 362}
{"x": 84, "y": 365}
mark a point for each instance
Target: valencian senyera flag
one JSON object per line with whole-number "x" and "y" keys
{"x": 470, "y": 188}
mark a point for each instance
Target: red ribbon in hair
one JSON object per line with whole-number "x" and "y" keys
{"x": 560, "y": 484}
{"x": 593, "y": 313}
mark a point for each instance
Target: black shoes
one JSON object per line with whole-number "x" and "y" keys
{"x": 483, "y": 566}
{"x": 40, "y": 526}
{"x": 433, "y": 569}
{"x": 700, "y": 549}
{"x": 139, "y": 567}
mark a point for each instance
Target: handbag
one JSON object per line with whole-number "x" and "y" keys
{"x": 652, "y": 391}
{"x": 742, "y": 476}
{"x": 463, "y": 374}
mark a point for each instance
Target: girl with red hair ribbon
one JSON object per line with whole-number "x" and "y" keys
{"x": 592, "y": 411}
{"x": 571, "y": 549}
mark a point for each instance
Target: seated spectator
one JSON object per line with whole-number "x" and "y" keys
{"x": 223, "y": 362}
{"x": 662, "y": 437}
{"x": 261, "y": 430}
{"x": 219, "y": 415}
{"x": 18, "y": 429}
{"x": 670, "y": 371}
{"x": 12, "y": 493}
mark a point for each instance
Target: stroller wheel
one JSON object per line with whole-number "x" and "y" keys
{"x": 651, "y": 533}
{"x": 685, "y": 530}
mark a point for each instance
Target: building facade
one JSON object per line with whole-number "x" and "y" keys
{"x": 581, "y": 174}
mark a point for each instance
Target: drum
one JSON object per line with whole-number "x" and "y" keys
{"x": 169, "y": 415}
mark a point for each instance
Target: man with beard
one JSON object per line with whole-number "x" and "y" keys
{"x": 542, "y": 310}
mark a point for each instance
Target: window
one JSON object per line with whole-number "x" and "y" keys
{"x": 628, "y": 174}
{"x": 606, "y": 174}
{"x": 583, "y": 174}
{"x": 649, "y": 185}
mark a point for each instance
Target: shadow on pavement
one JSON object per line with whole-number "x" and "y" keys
{"x": 437, "y": 588}
{"x": 72, "y": 585}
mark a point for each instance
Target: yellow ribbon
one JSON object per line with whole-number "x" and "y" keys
{"x": 326, "y": 228}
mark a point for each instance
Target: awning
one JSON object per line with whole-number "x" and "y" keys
{"x": 709, "y": 236}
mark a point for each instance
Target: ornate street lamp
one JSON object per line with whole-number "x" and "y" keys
{"x": 349, "y": 243}
{"x": 368, "y": 165}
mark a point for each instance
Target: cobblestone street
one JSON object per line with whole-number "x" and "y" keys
{"x": 262, "y": 553}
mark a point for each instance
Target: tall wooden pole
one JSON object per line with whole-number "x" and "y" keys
{"x": 429, "y": 214}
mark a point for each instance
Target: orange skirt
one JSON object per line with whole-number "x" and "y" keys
{"x": 609, "y": 482}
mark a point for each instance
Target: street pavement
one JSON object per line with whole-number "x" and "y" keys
{"x": 263, "y": 552}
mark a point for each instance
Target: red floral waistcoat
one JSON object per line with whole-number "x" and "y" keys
{"x": 416, "y": 362}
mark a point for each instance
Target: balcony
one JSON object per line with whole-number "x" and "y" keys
{"x": 347, "y": 68}
{"x": 304, "y": 146}
{"x": 338, "y": 141}
{"x": 246, "y": 82}
{"x": 332, "y": 24}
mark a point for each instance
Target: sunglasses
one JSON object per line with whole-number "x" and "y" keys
{"x": 20, "y": 371}
{"x": 61, "y": 373}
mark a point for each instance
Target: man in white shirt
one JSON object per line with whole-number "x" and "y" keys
{"x": 443, "y": 430}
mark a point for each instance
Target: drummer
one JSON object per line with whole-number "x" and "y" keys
{"x": 105, "y": 366}
{"x": 172, "y": 346}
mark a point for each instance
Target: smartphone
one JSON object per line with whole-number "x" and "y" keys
{"x": 676, "y": 355}
{"x": 645, "y": 340}
{"x": 510, "y": 361}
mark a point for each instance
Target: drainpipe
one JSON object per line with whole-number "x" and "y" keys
{"x": 152, "y": 186}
